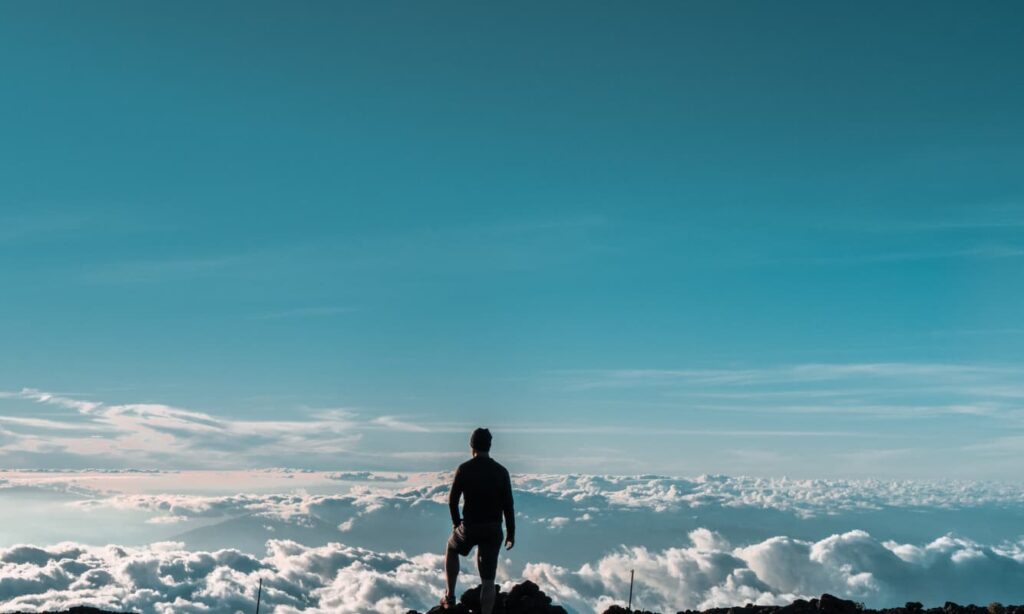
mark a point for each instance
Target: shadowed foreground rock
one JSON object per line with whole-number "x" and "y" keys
{"x": 527, "y": 598}
{"x": 830, "y": 604}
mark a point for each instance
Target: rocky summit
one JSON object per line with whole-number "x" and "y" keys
{"x": 527, "y": 598}
{"x": 830, "y": 604}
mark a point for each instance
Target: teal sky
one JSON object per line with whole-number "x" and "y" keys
{"x": 681, "y": 236}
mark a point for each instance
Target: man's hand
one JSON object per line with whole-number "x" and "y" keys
{"x": 509, "y": 543}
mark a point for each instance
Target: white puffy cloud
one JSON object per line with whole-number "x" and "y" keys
{"x": 168, "y": 579}
{"x": 694, "y": 542}
{"x": 710, "y": 573}
{"x": 365, "y": 476}
{"x": 806, "y": 498}
{"x": 574, "y": 496}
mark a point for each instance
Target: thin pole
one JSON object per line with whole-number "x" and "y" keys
{"x": 630, "y": 607}
{"x": 259, "y": 594}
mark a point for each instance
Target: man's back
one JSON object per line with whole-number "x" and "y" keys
{"x": 487, "y": 490}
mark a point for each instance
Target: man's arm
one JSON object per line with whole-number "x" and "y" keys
{"x": 508, "y": 508}
{"x": 453, "y": 499}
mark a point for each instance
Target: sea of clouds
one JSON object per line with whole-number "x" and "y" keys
{"x": 372, "y": 542}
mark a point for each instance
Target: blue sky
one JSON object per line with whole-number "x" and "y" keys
{"x": 623, "y": 234}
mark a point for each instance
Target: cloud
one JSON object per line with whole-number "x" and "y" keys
{"x": 884, "y": 390}
{"x": 805, "y": 498}
{"x": 800, "y": 373}
{"x": 710, "y": 573}
{"x": 366, "y": 476}
{"x": 159, "y": 435}
{"x": 694, "y": 542}
{"x": 396, "y": 424}
{"x": 556, "y": 498}
{"x": 167, "y": 578}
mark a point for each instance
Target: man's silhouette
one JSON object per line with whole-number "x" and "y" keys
{"x": 487, "y": 490}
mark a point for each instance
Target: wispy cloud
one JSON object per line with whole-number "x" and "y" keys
{"x": 150, "y": 434}
{"x": 896, "y": 390}
{"x": 791, "y": 374}
{"x": 397, "y": 424}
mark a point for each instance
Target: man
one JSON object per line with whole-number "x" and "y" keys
{"x": 487, "y": 490}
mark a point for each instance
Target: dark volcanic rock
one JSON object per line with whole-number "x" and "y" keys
{"x": 830, "y": 604}
{"x": 618, "y": 609}
{"x": 525, "y": 598}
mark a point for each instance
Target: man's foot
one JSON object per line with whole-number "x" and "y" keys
{"x": 448, "y": 602}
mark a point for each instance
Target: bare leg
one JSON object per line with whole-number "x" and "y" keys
{"x": 451, "y": 569}
{"x": 487, "y": 594}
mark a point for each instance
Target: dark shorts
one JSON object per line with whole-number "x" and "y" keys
{"x": 487, "y": 538}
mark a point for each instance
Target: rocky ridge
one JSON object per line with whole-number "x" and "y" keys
{"x": 527, "y": 598}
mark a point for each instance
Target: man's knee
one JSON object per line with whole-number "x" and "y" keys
{"x": 487, "y": 584}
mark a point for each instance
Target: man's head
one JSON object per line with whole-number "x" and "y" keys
{"x": 480, "y": 440}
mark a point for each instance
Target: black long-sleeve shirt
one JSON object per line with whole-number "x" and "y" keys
{"x": 487, "y": 489}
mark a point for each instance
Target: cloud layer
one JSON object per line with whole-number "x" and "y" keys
{"x": 169, "y": 579}
{"x": 712, "y": 573}
{"x": 709, "y": 572}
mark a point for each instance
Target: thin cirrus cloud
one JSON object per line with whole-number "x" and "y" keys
{"x": 882, "y": 389}
{"x": 791, "y": 374}
{"x": 158, "y": 435}
{"x": 92, "y": 433}
{"x": 398, "y": 424}
{"x": 848, "y": 402}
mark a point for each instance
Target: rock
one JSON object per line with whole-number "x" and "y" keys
{"x": 800, "y": 606}
{"x": 528, "y": 598}
{"x": 471, "y": 598}
{"x": 524, "y": 598}
{"x": 618, "y": 609}
{"x": 830, "y": 604}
